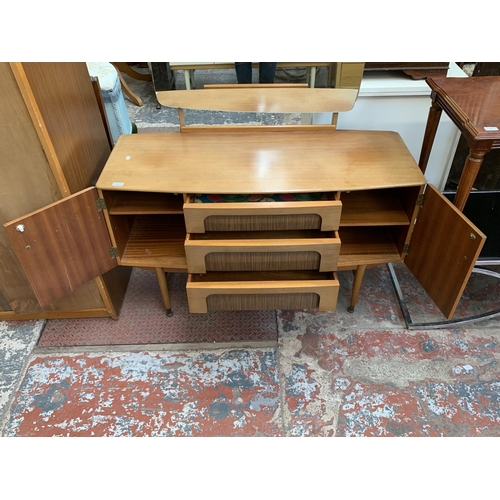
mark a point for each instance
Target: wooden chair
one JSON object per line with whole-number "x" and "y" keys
{"x": 122, "y": 67}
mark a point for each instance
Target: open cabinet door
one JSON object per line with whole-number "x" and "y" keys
{"x": 444, "y": 248}
{"x": 63, "y": 245}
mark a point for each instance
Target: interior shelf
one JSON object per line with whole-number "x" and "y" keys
{"x": 372, "y": 208}
{"x": 130, "y": 203}
{"x": 367, "y": 245}
{"x": 156, "y": 241}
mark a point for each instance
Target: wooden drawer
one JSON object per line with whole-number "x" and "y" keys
{"x": 262, "y": 251}
{"x": 261, "y": 216}
{"x": 219, "y": 291}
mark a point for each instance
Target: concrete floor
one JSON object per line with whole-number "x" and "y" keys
{"x": 329, "y": 374}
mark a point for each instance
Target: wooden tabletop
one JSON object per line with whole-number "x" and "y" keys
{"x": 472, "y": 103}
{"x": 259, "y": 162}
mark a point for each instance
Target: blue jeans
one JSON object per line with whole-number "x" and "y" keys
{"x": 244, "y": 72}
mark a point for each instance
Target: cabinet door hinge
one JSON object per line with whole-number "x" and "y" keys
{"x": 100, "y": 204}
{"x": 420, "y": 200}
{"x": 114, "y": 252}
{"x": 406, "y": 249}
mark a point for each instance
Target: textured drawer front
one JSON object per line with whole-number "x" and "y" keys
{"x": 320, "y": 292}
{"x": 263, "y": 216}
{"x": 262, "y": 254}
{"x": 263, "y": 261}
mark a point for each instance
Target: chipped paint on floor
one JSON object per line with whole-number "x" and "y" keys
{"x": 433, "y": 409}
{"x": 17, "y": 340}
{"x": 370, "y": 410}
{"x": 233, "y": 392}
{"x": 348, "y": 382}
{"x": 330, "y": 374}
{"x": 465, "y": 408}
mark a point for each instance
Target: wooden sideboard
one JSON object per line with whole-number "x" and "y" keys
{"x": 53, "y": 144}
{"x": 372, "y": 207}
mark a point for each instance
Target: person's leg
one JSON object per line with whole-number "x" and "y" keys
{"x": 267, "y": 71}
{"x": 243, "y": 72}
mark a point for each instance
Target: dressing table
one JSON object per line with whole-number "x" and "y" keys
{"x": 348, "y": 199}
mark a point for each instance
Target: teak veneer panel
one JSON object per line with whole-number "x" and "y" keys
{"x": 260, "y": 162}
{"x": 70, "y": 113}
{"x": 252, "y": 289}
{"x": 125, "y": 203}
{"x": 196, "y": 251}
{"x": 272, "y": 216}
{"x": 71, "y": 232}
{"x": 22, "y": 189}
{"x": 156, "y": 241}
{"x": 440, "y": 260}
{"x": 27, "y": 184}
{"x": 367, "y": 245}
{"x": 4, "y": 305}
{"x": 364, "y": 208}
{"x": 262, "y": 99}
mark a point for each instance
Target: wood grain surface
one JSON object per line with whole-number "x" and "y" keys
{"x": 68, "y": 241}
{"x": 260, "y": 162}
{"x": 267, "y": 99}
{"x": 444, "y": 245}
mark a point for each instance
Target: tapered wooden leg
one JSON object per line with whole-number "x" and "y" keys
{"x": 358, "y": 278}
{"x": 469, "y": 174}
{"x": 162, "y": 281}
{"x": 430, "y": 134}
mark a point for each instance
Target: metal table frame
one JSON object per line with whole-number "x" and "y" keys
{"x": 410, "y": 325}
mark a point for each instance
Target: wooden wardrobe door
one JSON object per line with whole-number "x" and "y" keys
{"x": 66, "y": 101}
{"x": 444, "y": 248}
{"x": 63, "y": 245}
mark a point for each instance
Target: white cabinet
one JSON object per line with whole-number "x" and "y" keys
{"x": 391, "y": 100}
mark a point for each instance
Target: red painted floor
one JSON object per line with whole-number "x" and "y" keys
{"x": 388, "y": 383}
{"x": 328, "y": 374}
{"x": 141, "y": 394}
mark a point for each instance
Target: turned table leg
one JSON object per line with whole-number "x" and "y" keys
{"x": 430, "y": 134}
{"x": 469, "y": 174}
{"x": 358, "y": 278}
{"x": 162, "y": 281}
